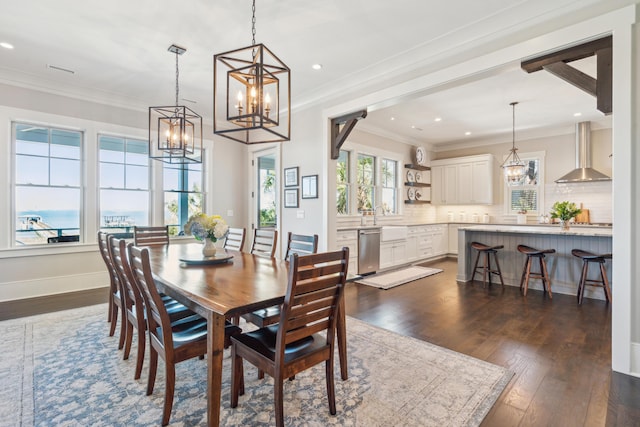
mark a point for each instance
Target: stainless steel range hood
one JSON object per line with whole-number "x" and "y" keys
{"x": 583, "y": 171}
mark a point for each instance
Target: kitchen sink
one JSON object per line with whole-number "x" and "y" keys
{"x": 394, "y": 232}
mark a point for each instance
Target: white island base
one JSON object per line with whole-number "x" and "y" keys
{"x": 564, "y": 268}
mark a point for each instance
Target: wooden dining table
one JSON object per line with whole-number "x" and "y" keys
{"x": 220, "y": 291}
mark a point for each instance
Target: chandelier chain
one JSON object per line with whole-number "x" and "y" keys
{"x": 177, "y": 75}
{"x": 253, "y": 23}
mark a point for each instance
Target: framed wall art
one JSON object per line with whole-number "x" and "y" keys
{"x": 310, "y": 187}
{"x": 291, "y": 198}
{"x": 291, "y": 177}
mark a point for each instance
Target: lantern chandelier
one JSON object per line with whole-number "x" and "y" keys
{"x": 514, "y": 169}
{"x": 175, "y": 132}
{"x": 251, "y": 94}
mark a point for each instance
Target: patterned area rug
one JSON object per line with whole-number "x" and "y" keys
{"x": 398, "y": 277}
{"x": 63, "y": 369}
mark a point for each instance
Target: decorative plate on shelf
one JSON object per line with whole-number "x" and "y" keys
{"x": 418, "y": 195}
{"x": 418, "y": 177}
{"x": 421, "y": 156}
{"x": 411, "y": 194}
{"x": 410, "y": 176}
{"x": 218, "y": 258}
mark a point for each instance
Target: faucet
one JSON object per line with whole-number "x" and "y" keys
{"x": 375, "y": 217}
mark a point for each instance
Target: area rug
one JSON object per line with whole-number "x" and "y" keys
{"x": 63, "y": 369}
{"x": 398, "y": 277}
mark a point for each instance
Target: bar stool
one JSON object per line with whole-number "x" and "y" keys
{"x": 486, "y": 268}
{"x": 586, "y": 258}
{"x": 543, "y": 274}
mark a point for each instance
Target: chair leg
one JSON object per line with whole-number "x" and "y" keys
{"x": 495, "y": 258}
{"x": 153, "y": 367}
{"x": 236, "y": 376}
{"x": 526, "y": 280}
{"x": 488, "y": 256}
{"x": 260, "y": 374}
{"x": 545, "y": 273}
{"x": 113, "y": 318}
{"x": 278, "y": 392}
{"x": 583, "y": 280}
{"x": 169, "y": 387}
{"x": 123, "y": 328}
{"x": 127, "y": 340}
{"x": 484, "y": 270}
{"x": 331, "y": 391}
{"x": 475, "y": 267}
{"x": 524, "y": 272}
{"x": 110, "y": 309}
{"x": 141, "y": 348}
{"x": 605, "y": 282}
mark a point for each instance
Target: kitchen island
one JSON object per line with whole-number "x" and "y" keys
{"x": 564, "y": 268}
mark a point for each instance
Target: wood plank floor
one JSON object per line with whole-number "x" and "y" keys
{"x": 560, "y": 352}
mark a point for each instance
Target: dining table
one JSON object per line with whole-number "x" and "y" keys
{"x": 231, "y": 284}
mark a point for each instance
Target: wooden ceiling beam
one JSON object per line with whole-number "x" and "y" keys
{"x": 556, "y": 63}
{"x": 338, "y": 135}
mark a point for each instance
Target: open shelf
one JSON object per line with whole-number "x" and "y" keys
{"x": 417, "y": 184}
{"x": 417, "y": 202}
{"x": 417, "y": 167}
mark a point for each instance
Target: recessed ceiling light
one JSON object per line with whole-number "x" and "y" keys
{"x": 467, "y": 133}
{"x": 437, "y": 119}
{"x": 392, "y": 118}
{"x": 577, "y": 114}
{"x": 6, "y": 45}
{"x": 317, "y": 66}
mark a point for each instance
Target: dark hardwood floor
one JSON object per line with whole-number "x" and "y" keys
{"x": 560, "y": 352}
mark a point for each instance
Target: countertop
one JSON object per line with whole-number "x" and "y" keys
{"x": 542, "y": 229}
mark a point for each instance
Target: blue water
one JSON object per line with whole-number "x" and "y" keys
{"x": 71, "y": 219}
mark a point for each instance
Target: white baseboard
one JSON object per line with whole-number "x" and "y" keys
{"x": 10, "y": 291}
{"x": 635, "y": 359}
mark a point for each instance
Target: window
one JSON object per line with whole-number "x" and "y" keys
{"x": 366, "y": 173}
{"x": 342, "y": 183}
{"x": 124, "y": 183}
{"x": 182, "y": 194}
{"x": 388, "y": 181}
{"x": 47, "y": 184}
{"x": 527, "y": 197}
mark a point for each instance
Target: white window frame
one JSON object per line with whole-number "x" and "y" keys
{"x": 539, "y": 187}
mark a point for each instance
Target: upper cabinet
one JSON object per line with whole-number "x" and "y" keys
{"x": 463, "y": 180}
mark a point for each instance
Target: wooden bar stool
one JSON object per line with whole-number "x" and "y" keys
{"x": 543, "y": 274}
{"x": 586, "y": 258}
{"x": 486, "y": 267}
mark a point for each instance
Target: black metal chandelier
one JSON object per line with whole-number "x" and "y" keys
{"x": 251, "y": 94}
{"x": 513, "y": 167}
{"x": 175, "y": 132}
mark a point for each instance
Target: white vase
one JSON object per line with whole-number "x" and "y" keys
{"x": 208, "y": 248}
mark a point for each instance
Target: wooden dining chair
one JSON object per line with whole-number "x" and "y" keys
{"x": 133, "y": 303}
{"x": 235, "y": 239}
{"x": 145, "y": 236}
{"x": 301, "y": 244}
{"x": 296, "y": 243}
{"x": 174, "y": 341}
{"x": 115, "y": 304}
{"x": 264, "y": 242}
{"x": 305, "y": 335}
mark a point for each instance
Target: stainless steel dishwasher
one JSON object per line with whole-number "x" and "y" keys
{"x": 368, "y": 250}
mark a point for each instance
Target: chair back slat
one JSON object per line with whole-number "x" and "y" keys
{"x": 314, "y": 291}
{"x": 132, "y": 294}
{"x": 301, "y": 244}
{"x": 146, "y": 236}
{"x": 264, "y": 242}
{"x": 157, "y": 316}
{"x": 235, "y": 239}
{"x": 103, "y": 245}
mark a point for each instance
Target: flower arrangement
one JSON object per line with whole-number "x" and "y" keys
{"x": 564, "y": 211}
{"x": 203, "y": 226}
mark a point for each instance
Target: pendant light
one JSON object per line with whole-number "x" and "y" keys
{"x": 251, "y": 94}
{"x": 175, "y": 132}
{"x": 514, "y": 169}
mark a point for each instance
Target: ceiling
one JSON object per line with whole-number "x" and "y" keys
{"x": 117, "y": 51}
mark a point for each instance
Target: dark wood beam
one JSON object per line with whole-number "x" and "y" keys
{"x": 556, "y": 63}
{"x": 339, "y": 135}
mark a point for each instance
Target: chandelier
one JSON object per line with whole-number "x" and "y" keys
{"x": 175, "y": 132}
{"x": 251, "y": 94}
{"x": 514, "y": 169}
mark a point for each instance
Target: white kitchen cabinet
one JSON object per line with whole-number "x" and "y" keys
{"x": 463, "y": 180}
{"x": 349, "y": 238}
{"x": 440, "y": 240}
{"x": 393, "y": 253}
{"x": 453, "y": 238}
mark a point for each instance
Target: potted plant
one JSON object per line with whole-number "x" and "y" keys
{"x": 564, "y": 211}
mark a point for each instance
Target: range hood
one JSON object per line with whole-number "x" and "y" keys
{"x": 583, "y": 171}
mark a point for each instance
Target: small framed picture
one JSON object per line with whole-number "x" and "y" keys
{"x": 291, "y": 177}
{"x": 291, "y": 198}
{"x": 310, "y": 187}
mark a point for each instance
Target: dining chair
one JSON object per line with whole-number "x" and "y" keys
{"x": 296, "y": 243}
{"x": 301, "y": 244}
{"x": 115, "y": 304}
{"x": 235, "y": 239}
{"x": 174, "y": 341}
{"x": 145, "y": 236}
{"x": 305, "y": 335}
{"x": 264, "y": 242}
{"x": 133, "y": 303}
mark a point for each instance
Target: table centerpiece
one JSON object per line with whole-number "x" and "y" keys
{"x": 207, "y": 229}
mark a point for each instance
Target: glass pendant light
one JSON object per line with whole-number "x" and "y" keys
{"x": 514, "y": 169}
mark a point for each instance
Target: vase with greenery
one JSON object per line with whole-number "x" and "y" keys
{"x": 564, "y": 211}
